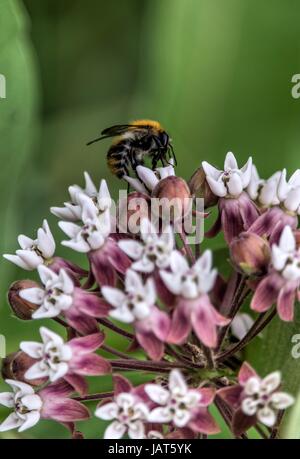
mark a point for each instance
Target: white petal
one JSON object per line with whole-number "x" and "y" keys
{"x": 20, "y": 386}
{"x": 69, "y": 228}
{"x": 136, "y": 184}
{"x": 80, "y": 246}
{"x": 217, "y": 187}
{"x": 283, "y": 187}
{"x": 37, "y": 371}
{"x": 252, "y": 385}
{"x": 279, "y": 257}
{"x": 150, "y": 292}
{"x": 104, "y": 199}
{"x": 178, "y": 263}
{"x": 167, "y": 171}
{"x": 114, "y": 431}
{"x": 271, "y": 382}
{"x": 49, "y": 336}
{"x": 32, "y": 402}
{"x": 32, "y": 419}
{"x": 268, "y": 193}
{"x": 211, "y": 171}
{"x": 67, "y": 283}
{"x": 157, "y": 393}
{"x": 11, "y": 422}
{"x": 266, "y": 416}
{"x": 60, "y": 371}
{"x": 287, "y": 241}
{"x": 171, "y": 281}
{"x": 46, "y": 274}
{"x": 281, "y": 400}
{"x": 123, "y": 314}
{"x": 136, "y": 430}
{"x": 46, "y": 241}
{"x": 108, "y": 411}
{"x": 90, "y": 188}
{"x": 240, "y": 325}
{"x": 45, "y": 313}
{"x": 69, "y": 212}
{"x": 292, "y": 200}
{"x": 235, "y": 184}
{"x": 147, "y": 176}
{"x": 177, "y": 383}
{"x": 32, "y": 349}
{"x": 143, "y": 266}
{"x": 246, "y": 172}
{"x": 204, "y": 263}
{"x": 7, "y": 399}
{"x": 230, "y": 161}
{"x": 167, "y": 237}
{"x": 113, "y": 296}
{"x": 17, "y": 261}
{"x": 249, "y": 406}
{"x": 132, "y": 248}
{"x": 25, "y": 242}
{"x": 33, "y": 295}
{"x": 161, "y": 415}
{"x": 31, "y": 258}
{"x": 181, "y": 417}
{"x": 133, "y": 281}
{"x": 295, "y": 179}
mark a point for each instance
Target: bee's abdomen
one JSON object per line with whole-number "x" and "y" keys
{"x": 117, "y": 158}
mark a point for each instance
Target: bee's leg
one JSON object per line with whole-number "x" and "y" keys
{"x": 173, "y": 155}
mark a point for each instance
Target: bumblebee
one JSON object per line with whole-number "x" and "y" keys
{"x": 134, "y": 142}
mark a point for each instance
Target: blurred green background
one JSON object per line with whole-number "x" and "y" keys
{"x": 216, "y": 73}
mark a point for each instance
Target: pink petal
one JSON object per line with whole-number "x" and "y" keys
{"x": 78, "y": 383}
{"x": 65, "y": 410}
{"x": 241, "y": 422}
{"x": 160, "y": 323}
{"x": 59, "y": 389}
{"x": 246, "y": 372}
{"x": 207, "y": 395}
{"x": 249, "y": 211}
{"x": 90, "y": 304}
{"x": 121, "y": 384}
{"x": 231, "y": 395}
{"x": 180, "y": 325}
{"x": 104, "y": 273}
{"x": 203, "y": 422}
{"x": 164, "y": 294}
{"x": 118, "y": 259}
{"x": 82, "y": 323}
{"x": 232, "y": 222}
{"x": 205, "y": 320}
{"x": 181, "y": 434}
{"x": 266, "y": 293}
{"x": 87, "y": 344}
{"x": 152, "y": 345}
{"x": 90, "y": 364}
{"x": 285, "y": 303}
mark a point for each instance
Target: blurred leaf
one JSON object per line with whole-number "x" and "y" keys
{"x": 274, "y": 352}
{"x": 291, "y": 427}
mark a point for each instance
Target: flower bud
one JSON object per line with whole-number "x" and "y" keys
{"x": 200, "y": 188}
{"x": 173, "y": 199}
{"x": 23, "y": 309}
{"x": 131, "y": 210}
{"x": 250, "y": 253}
{"x": 15, "y": 365}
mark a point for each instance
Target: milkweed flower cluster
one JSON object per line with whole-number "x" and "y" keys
{"x": 186, "y": 323}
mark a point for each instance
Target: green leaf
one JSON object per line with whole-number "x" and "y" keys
{"x": 291, "y": 427}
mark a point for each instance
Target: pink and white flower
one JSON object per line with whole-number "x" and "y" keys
{"x": 193, "y": 307}
{"x": 153, "y": 251}
{"x": 255, "y": 399}
{"x": 281, "y": 285}
{"x": 148, "y": 179}
{"x": 93, "y": 238}
{"x": 49, "y": 403}
{"x": 72, "y": 209}
{"x": 137, "y": 305}
{"x": 71, "y": 361}
{"x": 181, "y": 406}
{"x": 236, "y": 210}
{"x": 60, "y": 296}
{"x": 34, "y": 252}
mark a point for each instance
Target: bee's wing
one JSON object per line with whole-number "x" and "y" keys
{"x": 112, "y": 132}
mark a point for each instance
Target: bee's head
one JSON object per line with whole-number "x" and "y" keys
{"x": 164, "y": 139}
